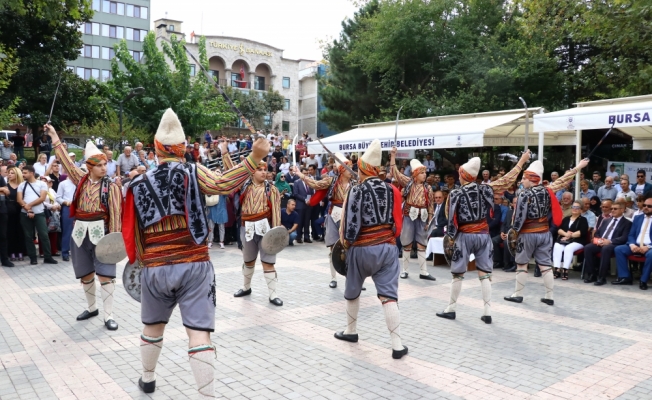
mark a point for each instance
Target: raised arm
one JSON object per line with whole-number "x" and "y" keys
{"x": 321, "y": 184}
{"x": 400, "y": 178}
{"x": 503, "y": 183}
{"x": 74, "y": 172}
{"x": 561, "y": 182}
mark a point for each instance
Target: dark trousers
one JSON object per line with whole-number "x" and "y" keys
{"x": 20, "y": 152}
{"x": 4, "y": 256}
{"x": 67, "y": 223}
{"x": 593, "y": 263}
{"x": 304, "y": 222}
{"x": 502, "y": 256}
{"x": 315, "y": 215}
{"x": 37, "y": 223}
{"x": 437, "y": 232}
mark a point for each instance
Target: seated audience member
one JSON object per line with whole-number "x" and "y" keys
{"x": 628, "y": 211}
{"x": 566, "y": 202}
{"x": 611, "y": 233}
{"x": 594, "y": 205}
{"x": 641, "y": 186}
{"x": 626, "y": 192}
{"x": 639, "y": 243}
{"x": 587, "y": 213}
{"x": 502, "y": 257}
{"x": 640, "y": 199}
{"x": 572, "y": 237}
{"x": 608, "y": 190}
{"x": 603, "y": 214}
{"x": 290, "y": 220}
{"x": 439, "y": 216}
{"x": 585, "y": 192}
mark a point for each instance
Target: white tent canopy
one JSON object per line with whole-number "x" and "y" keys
{"x": 498, "y": 128}
{"x": 630, "y": 115}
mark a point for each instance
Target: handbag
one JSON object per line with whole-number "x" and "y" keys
{"x": 212, "y": 200}
{"x": 54, "y": 222}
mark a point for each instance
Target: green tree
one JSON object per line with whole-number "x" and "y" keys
{"x": 273, "y": 103}
{"x": 167, "y": 86}
{"x": 50, "y": 11}
{"x": 108, "y": 129}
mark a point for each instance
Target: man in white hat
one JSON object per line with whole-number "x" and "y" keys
{"x": 97, "y": 209}
{"x": 165, "y": 228}
{"x": 371, "y": 221}
{"x": 467, "y": 211}
{"x": 418, "y": 211}
{"x": 334, "y": 190}
{"x": 535, "y": 202}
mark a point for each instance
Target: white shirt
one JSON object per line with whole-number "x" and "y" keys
{"x": 488, "y": 181}
{"x": 40, "y": 168}
{"x": 437, "y": 209}
{"x": 430, "y": 165}
{"x": 645, "y": 234}
{"x": 50, "y": 198}
{"x": 285, "y": 168}
{"x": 612, "y": 227}
{"x": 233, "y": 148}
{"x": 640, "y": 189}
{"x": 31, "y": 195}
{"x": 629, "y": 196}
{"x": 66, "y": 191}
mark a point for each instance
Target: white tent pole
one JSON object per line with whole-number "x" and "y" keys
{"x": 578, "y": 158}
{"x": 540, "y": 154}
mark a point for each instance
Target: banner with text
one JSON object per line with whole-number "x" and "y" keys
{"x": 416, "y": 143}
{"x": 630, "y": 169}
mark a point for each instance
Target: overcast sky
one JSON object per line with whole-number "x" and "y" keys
{"x": 295, "y": 26}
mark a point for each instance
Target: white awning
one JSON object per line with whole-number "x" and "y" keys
{"x": 499, "y": 128}
{"x": 630, "y": 115}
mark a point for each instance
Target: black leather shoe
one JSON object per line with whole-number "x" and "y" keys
{"x": 332, "y": 285}
{"x": 397, "y": 354}
{"x": 50, "y": 261}
{"x": 404, "y": 275}
{"x": 33, "y": 262}
{"x": 511, "y": 269}
{"x": 430, "y": 257}
{"x": 643, "y": 285}
{"x": 364, "y": 288}
{"x": 277, "y": 302}
{"x": 447, "y": 315}
{"x": 307, "y": 240}
{"x": 299, "y": 241}
{"x": 486, "y": 319}
{"x": 147, "y": 387}
{"x": 548, "y": 302}
{"x": 413, "y": 254}
{"x": 320, "y": 239}
{"x": 87, "y": 314}
{"x": 400, "y": 255}
{"x": 65, "y": 258}
{"x": 600, "y": 282}
{"x": 537, "y": 271}
{"x": 242, "y": 293}
{"x": 517, "y": 299}
{"x": 8, "y": 264}
{"x": 111, "y": 325}
{"x": 353, "y": 338}
{"x": 427, "y": 277}
{"x": 590, "y": 279}
{"x": 622, "y": 281}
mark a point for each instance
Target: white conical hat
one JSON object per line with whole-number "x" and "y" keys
{"x": 91, "y": 150}
{"x": 374, "y": 154}
{"x": 537, "y": 168}
{"x": 414, "y": 164}
{"x": 472, "y": 166}
{"x": 342, "y": 157}
{"x": 170, "y": 131}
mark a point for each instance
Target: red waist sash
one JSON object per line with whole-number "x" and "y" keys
{"x": 373, "y": 235}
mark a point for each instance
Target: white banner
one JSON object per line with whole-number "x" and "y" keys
{"x": 595, "y": 117}
{"x": 416, "y": 143}
{"x": 630, "y": 169}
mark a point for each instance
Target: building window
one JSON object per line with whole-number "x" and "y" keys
{"x": 95, "y": 74}
{"x": 130, "y": 34}
{"x": 267, "y": 120}
{"x": 286, "y": 126}
{"x": 96, "y": 5}
{"x": 70, "y": 68}
{"x": 106, "y": 75}
{"x": 143, "y": 33}
{"x": 138, "y": 55}
{"x": 105, "y": 53}
{"x": 105, "y": 30}
{"x": 286, "y": 82}
{"x": 137, "y": 35}
{"x": 143, "y": 12}
{"x": 192, "y": 69}
{"x": 80, "y": 72}
{"x": 114, "y": 7}
{"x": 171, "y": 28}
{"x": 130, "y": 10}
{"x": 136, "y": 12}
{"x": 92, "y": 28}
{"x": 121, "y": 8}
{"x": 216, "y": 75}
{"x": 106, "y": 6}
{"x": 286, "y": 104}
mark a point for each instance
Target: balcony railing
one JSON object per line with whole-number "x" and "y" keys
{"x": 241, "y": 84}
{"x": 258, "y": 86}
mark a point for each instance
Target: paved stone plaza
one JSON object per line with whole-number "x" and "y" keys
{"x": 593, "y": 344}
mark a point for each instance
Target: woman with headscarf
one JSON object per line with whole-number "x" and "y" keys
{"x": 595, "y": 205}
{"x": 283, "y": 187}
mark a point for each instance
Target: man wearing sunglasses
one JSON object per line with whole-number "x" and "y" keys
{"x": 638, "y": 243}
{"x": 641, "y": 187}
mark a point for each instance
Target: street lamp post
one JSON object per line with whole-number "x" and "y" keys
{"x": 134, "y": 92}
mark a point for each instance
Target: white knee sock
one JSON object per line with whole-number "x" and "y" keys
{"x": 548, "y": 281}
{"x": 91, "y": 296}
{"x": 521, "y": 278}
{"x": 248, "y": 273}
{"x": 272, "y": 280}
{"x": 406, "y": 260}
{"x": 393, "y": 320}
{"x": 107, "y": 298}
{"x": 456, "y": 288}
{"x": 485, "y": 284}
{"x": 352, "y": 308}
{"x": 333, "y": 272}
{"x": 422, "y": 262}
{"x": 150, "y": 350}
{"x": 201, "y": 363}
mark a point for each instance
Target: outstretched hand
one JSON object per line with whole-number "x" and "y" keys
{"x": 260, "y": 148}
{"x": 583, "y": 163}
{"x": 49, "y": 129}
{"x": 527, "y": 154}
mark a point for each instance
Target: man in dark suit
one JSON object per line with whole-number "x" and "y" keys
{"x": 611, "y": 233}
{"x": 291, "y": 177}
{"x": 502, "y": 257}
{"x": 639, "y": 242}
{"x": 495, "y": 221}
{"x": 440, "y": 218}
{"x": 302, "y": 193}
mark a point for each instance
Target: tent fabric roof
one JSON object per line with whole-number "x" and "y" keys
{"x": 506, "y": 128}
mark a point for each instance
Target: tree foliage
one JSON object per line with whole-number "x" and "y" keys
{"x": 167, "y": 86}
{"x": 108, "y": 128}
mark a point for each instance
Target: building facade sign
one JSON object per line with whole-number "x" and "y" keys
{"x": 240, "y": 48}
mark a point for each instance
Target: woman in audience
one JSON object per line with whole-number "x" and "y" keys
{"x": 51, "y": 204}
{"x": 284, "y": 168}
{"x": 15, "y": 236}
{"x": 151, "y": 160}
{"x": 217, "y": 216}
{"x": 572, "y": 237}
{"x": 596, "y": 205}
{"x": 41, "y": 165}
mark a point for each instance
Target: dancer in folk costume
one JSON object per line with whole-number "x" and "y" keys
{"x": 334, "y": 190}
{"x": 371, "y": 221}
{"x": 260, "y": 210}
{"x": 418, "y": 211}
{"x": 467, "y": 210}
{"x": 165, "y": 229}
{"x": 535, "y": 202}
{"x": 96, "y": 207}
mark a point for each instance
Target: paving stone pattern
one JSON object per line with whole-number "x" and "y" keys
{"x": 593, "y": 344}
